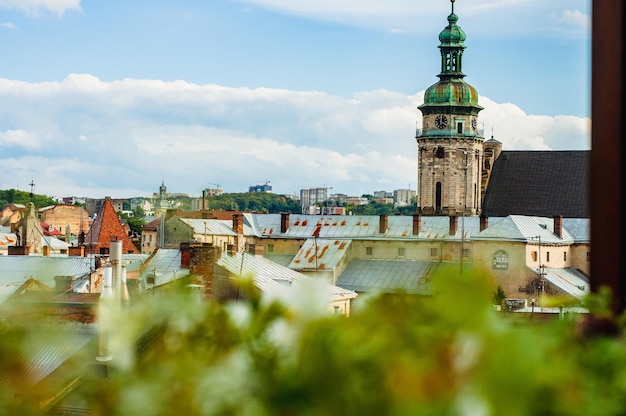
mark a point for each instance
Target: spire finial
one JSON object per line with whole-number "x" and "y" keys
{"x": 452, "y": 1}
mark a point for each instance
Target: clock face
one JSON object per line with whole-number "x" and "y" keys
{"x": 441, "y": 121}
{"x": 474, "y": 123}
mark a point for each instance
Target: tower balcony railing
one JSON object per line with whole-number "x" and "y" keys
{"x": 449, "y": 132}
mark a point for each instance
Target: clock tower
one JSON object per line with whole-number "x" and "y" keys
{"x": 450, "y": 142}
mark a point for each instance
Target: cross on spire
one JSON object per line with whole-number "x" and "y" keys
{"x": 32, "y": 189}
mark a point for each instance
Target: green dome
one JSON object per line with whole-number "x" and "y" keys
{"x": 455, "y": 92}
{"x": 452, "y": 35}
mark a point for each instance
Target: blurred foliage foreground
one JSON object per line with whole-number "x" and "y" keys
{"x": 448, "y": 354}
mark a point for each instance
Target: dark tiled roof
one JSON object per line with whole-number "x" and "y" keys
{"x": 539, "y": 183}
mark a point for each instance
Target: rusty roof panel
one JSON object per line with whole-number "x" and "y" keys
{"x": 320, "y": 254}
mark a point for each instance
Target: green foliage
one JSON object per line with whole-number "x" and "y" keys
{"x": 13, "y": 196}
{"x": 135, "y": 221}
{"x": 254, "y": 202}
{"x": 446, "y": 354}
{"x": 498, "y": 296}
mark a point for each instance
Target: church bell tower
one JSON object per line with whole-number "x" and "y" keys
{"x": 450, "y": 142}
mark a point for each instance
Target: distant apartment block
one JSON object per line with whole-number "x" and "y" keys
{"x": 404, "y": 196}
{"x": 383, "y": 194}
{"x": 312, "y": 196}
{"x": 260, "y": 188}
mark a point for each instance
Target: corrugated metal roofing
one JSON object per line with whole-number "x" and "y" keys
{"x": 41, "y": 355}
{"x": 411, "y": 276}
{"x": 15, "y": 270}
{"x": 579, "y": 229}
{"x": 320, "y": 254}
{"x": 363, "y": 226}
{"x": 7, "y": 240}
{"x": 523, "y": 228}
{"x": 392, "y": 276}
{"x": 282, "y": 259}
{"x": 268, "y": 275}
{"x": 164, "y": 266}
{"x": 211, "y": 227}
{"x": 569, "y": 280}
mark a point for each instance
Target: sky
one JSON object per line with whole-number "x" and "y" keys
{"x": 113, "y": 98}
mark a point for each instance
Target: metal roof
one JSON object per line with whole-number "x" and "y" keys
{"x": 362, "y": 226}
{"x": 579, "y": 229}
{"x": 410, "y": 276}
{"x": 271, "y": 277}
{"x": 54, "y": 243}
{"x": 7, "y": 240}
{"x": 569, "y": 280}
{"x": 15, "y": 270}
{"x": 523, "y": 228}
{"x": 43, "y": 353}
{"x": 320, "y": 254}
{"x": 164, "y": 266}
{"x": 210, "y": 227}
{"x": 282, "y": 259}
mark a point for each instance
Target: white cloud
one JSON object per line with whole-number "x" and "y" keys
{"x": 576, "y": 19}
{"x": 8, "y": 25}
{"x": 122, "y": 138}
{"x": 32, "y": 7}
{"x": 496, "y": 16}
{"x": 19, "y": 138}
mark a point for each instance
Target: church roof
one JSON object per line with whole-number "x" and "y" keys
{"x": 107, "y": 226}
{"x": 539, "y": 183}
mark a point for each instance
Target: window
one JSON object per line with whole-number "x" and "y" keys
{"x": 565, "y": 256}
{"x": 533, "y": 255}
{"x": 434, "y": 252}
{"x": 270, "y": 248}
{"x": 588, "y": 256}
{"x": 466, "y": 252}
{"x": 501, "y": 260}
{"x": 401, "y": 251}
{"x": 459, "y": 127}
{"x": 548, "y": 256}
{"x": 369, "y": 251}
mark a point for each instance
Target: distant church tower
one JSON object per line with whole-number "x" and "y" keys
{"x": 450, "y": 144}
{"x": 161, "y": 204}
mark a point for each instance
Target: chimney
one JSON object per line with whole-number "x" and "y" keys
{"x": 383, "y": 224}
{"x": 454, "y": 224}
{"x": 417, "y": 224}
{"x": 238, "y": 224}
{"x": 558, "y": 225}
{"x": 184, "y": 255}
{"x": 256, "y": 249}
{"x": 76, "y": 251}
{"x": 484, "y": 223}
{"x": 284, "y": 222}
{"x": 201, "y": 260}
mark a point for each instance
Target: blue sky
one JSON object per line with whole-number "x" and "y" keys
{"x": 111, "y": 98}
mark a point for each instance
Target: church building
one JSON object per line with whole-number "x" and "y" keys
{"x": 462, "y": 174}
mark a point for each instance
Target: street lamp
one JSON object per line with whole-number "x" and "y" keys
{"x": 541, "y": 271}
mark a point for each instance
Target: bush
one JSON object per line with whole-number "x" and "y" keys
{"x": 447, "y": 354}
